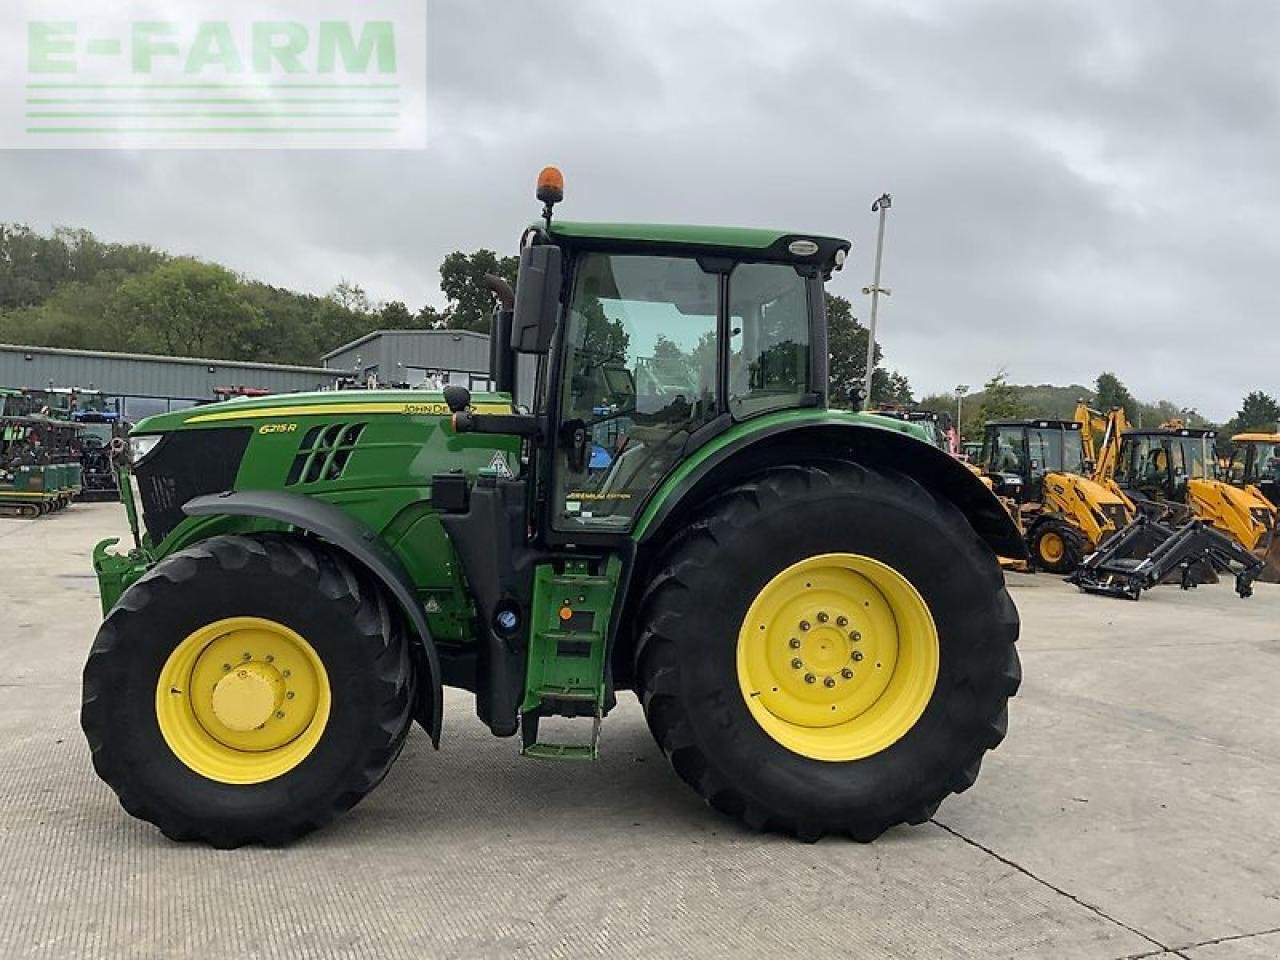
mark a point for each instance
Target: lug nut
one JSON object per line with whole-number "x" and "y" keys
{"x": 247, "y": 656}
{"x": 226, "y": 668}
{"x": 823, "y": 618}
{"x": 804, "y": 624}
{"x": 857, "y": 656}
{"x": 794, "y": 644}
{"x": 846, "y": 673}
{"x": 829, "y": 682}
{"x": 289, "y": 695}
{"x": 842, "y": 621}
{"x": 797, "y": 663}
{"x": 810, "y": 678}
{"x": 279, "y": 714}
{"x": 270, "y": 658}
{"x": 285, "y": 673}
{"x": 855, "y": 636}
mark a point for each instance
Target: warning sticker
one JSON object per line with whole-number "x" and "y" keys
{"x": 499, "y": 466}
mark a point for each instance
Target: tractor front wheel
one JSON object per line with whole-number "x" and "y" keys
{"x": 247, "y": 690}
{"x": 829, "y": 649}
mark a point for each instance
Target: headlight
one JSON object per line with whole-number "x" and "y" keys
{"x": 140, "y": 447}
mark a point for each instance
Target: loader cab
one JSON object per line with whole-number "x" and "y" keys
{"x": 1255, "y": 461}
{"x": 1159, "y": 464}
{"x": 1018, "y": 454}
{"x": 652, "y": 340}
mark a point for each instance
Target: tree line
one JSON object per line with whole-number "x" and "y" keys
{"x": 70, "y": 289}
{"x": 1001, "y": 400}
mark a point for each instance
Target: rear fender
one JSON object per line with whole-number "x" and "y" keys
{"x": 834, "y": 437}
{"x": 365, "y": 548}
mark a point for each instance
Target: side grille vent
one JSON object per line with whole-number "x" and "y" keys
{"x": 324, "y": 453}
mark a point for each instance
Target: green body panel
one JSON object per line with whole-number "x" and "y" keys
{"x": 385, "y": 483}
{"x": 806, "y": 416}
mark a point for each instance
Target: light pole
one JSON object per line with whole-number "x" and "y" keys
{"x": 961, "y": 390}
{"x": 881, "y": 206}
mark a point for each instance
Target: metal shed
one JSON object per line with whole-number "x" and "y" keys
{"x": 415, "y": 356}
{"x": 150, "y": 384}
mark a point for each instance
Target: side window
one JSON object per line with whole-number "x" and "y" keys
{"x": 639, "y": 378}
{"x": 769, "y": 337}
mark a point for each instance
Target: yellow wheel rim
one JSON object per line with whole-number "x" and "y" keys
{"x": 1052, "y": 547}
{"x": 837, "y": 657}
{"x": 242, "y": 700}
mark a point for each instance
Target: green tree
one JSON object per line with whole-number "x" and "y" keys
{"x": 186, "y": 308}
{"x": 1110, "y": 392}
{"x": 1258, "y": 412}
{"x": 1000, "y": 401}
{"x": 847, "y": 365}
{"x": 471, "y": 303}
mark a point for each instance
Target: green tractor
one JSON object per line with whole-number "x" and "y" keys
{"x": 805, "y": 601}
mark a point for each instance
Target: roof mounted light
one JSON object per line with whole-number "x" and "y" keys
{"x": 550, "y": 190}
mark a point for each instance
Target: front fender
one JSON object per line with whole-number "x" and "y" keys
{"x": 364, "y": 546}
{"x": 827, "y": 435}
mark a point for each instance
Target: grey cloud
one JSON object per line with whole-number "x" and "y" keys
{"x": 1078, "y": 186}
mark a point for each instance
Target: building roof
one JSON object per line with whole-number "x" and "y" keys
{"x": 161, "y": 358}
{"x": 391, "y": 333}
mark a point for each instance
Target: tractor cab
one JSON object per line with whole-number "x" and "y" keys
{"x": 1159, "y": 464}
{"x": 1255, "y": 461}
{"x": 1018, "y": 454}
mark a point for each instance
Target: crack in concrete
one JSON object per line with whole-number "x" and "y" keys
{"x": 1175, "y": 951}
{"x": 1164, "y": 948}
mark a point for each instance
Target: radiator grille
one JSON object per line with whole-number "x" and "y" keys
{"x": 187, "y": 464}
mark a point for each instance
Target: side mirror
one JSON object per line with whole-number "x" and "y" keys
{"x": 537, "y": 299}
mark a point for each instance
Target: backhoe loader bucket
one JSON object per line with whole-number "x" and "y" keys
{"x": 1270, "y": 572}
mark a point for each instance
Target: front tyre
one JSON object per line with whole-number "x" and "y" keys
{"x": 247, "y": 690}
{"x": 1056, "y": 546}
{"x": 829, "y": 650}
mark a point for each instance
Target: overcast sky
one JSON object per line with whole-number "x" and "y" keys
{"x": 1077, "y": 186}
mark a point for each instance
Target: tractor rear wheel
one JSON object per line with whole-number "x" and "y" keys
{"x": 1056, "y": 546}
{"x": 247, "y": 690}
{"x": 829, "y": 649}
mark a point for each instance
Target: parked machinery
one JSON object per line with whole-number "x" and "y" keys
{"x": 1255, "y": 463}
{"x": 1040, "y": 469}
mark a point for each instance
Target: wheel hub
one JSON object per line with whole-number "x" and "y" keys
{"x": 247, "y": 697}
{"x": 243, "y": 700}
{"x": 837, "y": 656}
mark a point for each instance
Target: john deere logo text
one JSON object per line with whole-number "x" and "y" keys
{"x": 219, "y": 74}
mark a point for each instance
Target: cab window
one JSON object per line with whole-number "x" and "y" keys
{"x": 640, "y": 377}
{"x": 769, "y": 338}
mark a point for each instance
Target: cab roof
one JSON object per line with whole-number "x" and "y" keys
{"x": 1256, "y": 438}
{"x": 793, "y": 246}
{"x": 1043, "y": 423}
{"x": 1171, "y": 432}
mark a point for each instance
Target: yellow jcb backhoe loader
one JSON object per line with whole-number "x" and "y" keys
{"x": 1173, "y": 468}
{"x": 1039, "y": 468}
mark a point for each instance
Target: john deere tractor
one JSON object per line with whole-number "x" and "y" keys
{"x": 806, "y": 602}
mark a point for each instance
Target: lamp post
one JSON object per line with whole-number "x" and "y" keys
{"x": 881, "y": 206}
{"x": 961, "y": 390}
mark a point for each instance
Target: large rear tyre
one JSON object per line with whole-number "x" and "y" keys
{"x": 830, "y": 649}
{"x": 247, "y": 690}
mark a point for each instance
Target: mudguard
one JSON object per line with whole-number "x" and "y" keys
{"x": 836, "y": 437}
{"x": 364, "y": 546}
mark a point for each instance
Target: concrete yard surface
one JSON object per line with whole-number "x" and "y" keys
{"x": 1133, "y": 811}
